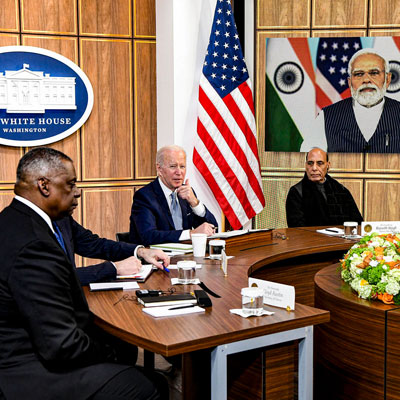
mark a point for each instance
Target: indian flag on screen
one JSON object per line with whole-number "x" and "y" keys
{"x": 290, "y": 93}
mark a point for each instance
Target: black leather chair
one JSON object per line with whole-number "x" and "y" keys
{"x": 122, "y": 236}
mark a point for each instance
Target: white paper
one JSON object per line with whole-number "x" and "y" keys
{"x": 166, "y": 311}
{"x": 113, "y": 285}
{"x": 275, "y": 294}
{"x": 331, "y": 231}
{"x": 174, "y": 247}
{"x": 239, "y": 311}
{"x": 175, "y": 281}
{"x": 142, "y": 274}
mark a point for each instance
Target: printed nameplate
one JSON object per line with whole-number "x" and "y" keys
{"x": 380, "y": 227}
{"x": 275, "y": 294}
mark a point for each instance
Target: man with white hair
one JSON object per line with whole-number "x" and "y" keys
{"x": 368, "y": 121}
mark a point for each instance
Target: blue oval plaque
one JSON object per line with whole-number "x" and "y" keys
{"x": 44, "y": 97}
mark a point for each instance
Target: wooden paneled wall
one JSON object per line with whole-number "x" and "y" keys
{"x": 113, "y": 41}
{"x": 373, "y": 179}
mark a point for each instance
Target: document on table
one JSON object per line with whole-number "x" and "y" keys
{"x": 174, "y": 247}
{"x": 331, "y": 231}
{"x": 166, "y": 311}
{"x": 113, "y": 286}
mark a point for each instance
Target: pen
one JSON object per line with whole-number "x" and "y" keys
{"x": 331, "y": 230}
{"x": 180, "y": 307}
{"x": 165, "y": 268}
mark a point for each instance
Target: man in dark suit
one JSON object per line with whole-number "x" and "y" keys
{"x": 121, "y": 257}
{"x": 167, "y": 209}
{"x": 319, "y": 199}
{"x": 50, "y": 348}
{"x": 366, "y": 122}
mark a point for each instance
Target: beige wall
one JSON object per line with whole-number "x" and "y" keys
{"x": 374, "y": 179}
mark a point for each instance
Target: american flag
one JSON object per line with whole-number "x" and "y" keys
{"x": 333, "y": 56}
{"x": 225, "y": 150}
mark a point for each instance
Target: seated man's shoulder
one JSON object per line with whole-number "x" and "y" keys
{"x": 297, "y": 188}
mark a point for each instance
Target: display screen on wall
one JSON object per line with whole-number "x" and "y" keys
{"x": 338, "y": 94}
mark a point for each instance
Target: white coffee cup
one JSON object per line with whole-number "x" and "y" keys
{"x": 350, "y": 229}
{"x": 199, "y": 241}
{"x": 216, "y": 246}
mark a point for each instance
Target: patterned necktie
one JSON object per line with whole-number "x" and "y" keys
{"x": 59, "y": 236}
{"x": 176, "y": 211}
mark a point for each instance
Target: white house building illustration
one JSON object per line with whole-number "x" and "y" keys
{"x": 26, "y": 91}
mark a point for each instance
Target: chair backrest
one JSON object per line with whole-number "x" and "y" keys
{"x": 122, "y": 236}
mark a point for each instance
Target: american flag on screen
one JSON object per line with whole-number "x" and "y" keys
{"x": 333, "y": 56}
{"x": 225, "y": 150}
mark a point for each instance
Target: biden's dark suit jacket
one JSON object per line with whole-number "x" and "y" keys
{"x": 47, "y": 347}
{"x": 151, "y": 219}
{"x": 83, "y": 242}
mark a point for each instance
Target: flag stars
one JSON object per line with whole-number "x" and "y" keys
{"x": 335, "y": 46}
{"x": 225, "y": 56}
{"x": 219, "y": 11}
{"x": 235, "y": 58}
{"x": 346, "y": 46}
{"x": 236, "y": 47}
{"x": 332, "y": 58}
{"x": 227, "y": 34}
{"x": 343, "y": 70}
{"x": 214, "y": 65}
{"x": 224, "y": 66}
{"x": 324, "y": 45}
{"x": 234, "y": 68}
{"x": 215, "y": 54}
{"x": 236, "y": 36}
{"x": 244, "y": 70}
{"x": 218, "y": 22}
{"x": 227, "y": 23}
{"x": 223, "y": 77}
{"x": 345, "y": 59}
{"x": 205, "y": 63}
{"x": 228, "y": 12}
{"x": 213, "y": 75}
{"x": 233, "y": 79}
{"x": 356, "y": 46}
{"x": 216, "y": 43}
{"x": 222, "y": 87}
{"x": 342, "y": 82}
{"x": 226, "y": 45}
{"x": 217, "y": 33}
{"x": 331, "y": 70}
{"x": 322, "y": 57}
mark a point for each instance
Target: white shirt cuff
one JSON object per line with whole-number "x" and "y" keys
{"x": 199, "y": 210}
{"x": 185, "y": 235}
{"x": 136, "y": 250}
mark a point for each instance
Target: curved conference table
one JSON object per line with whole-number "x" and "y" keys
{"x": 264, "y": 255}
{"x": 359, "y": 350}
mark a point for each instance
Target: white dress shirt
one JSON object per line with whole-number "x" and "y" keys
{"x": 199, "y": 210}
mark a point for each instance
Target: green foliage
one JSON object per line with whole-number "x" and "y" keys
{"x": 373, "y": 274}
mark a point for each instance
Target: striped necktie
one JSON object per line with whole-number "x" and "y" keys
{"x": 59, "y": 236}
{"x": 176, "y": 211}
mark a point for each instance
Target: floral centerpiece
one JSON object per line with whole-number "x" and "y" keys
{"x": 372, "y": 267}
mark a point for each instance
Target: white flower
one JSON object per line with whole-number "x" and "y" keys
{"x": 394, "y": 273}
{"x": 392, "y": 287}
{"x": 373, "y": 263}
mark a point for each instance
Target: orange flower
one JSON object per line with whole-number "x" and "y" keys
{"x": 386, "y": 298}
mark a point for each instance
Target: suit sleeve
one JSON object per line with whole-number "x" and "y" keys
{"x": 148, "y": 224}
{"x": 88, "y": 244}
{"x": 53, "y": 308}
{"x": 294, "y": 211}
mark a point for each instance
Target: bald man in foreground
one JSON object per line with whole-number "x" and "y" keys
{"x": 318, "y": 199}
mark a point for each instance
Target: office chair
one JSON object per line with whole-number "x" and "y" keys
{"x": 122, "y": 236}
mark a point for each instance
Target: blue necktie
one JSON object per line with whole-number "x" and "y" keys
{"x": 59, "y": 236}
{"x": 176, "y": 211}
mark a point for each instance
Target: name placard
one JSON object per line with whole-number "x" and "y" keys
{"x": 380, "y": 227}
{"x": 275, "y": 294}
